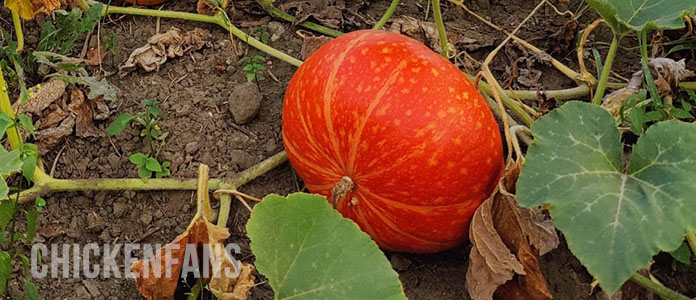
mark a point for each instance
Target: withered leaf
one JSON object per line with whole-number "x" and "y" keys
{"x": 83, "y": 114}
{"x": 201, "y": 233}
{"x": 204, "y": 7}
{"x": 311, "y": 44}
{"x": 328, "y": 12}
{"x": 95, "y": 56}
{"x": 666, "y": 72}
{"x": 160, "y": 47}
{"x": 28, "y": 9}
{"x": 507, "y": 241}
{"x": 41, "y": 97}
{"x": 50, "y": 137}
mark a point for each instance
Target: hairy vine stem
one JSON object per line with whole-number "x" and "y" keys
{"x": 387, "y": 15}
{"x": 664, "y": 292}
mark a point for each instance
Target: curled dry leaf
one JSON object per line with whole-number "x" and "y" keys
{"x": 424, "y": 32}
{"x": 59, "y": 113}
{"x": 162, "y": 46}
{"x": 311, "y": 44}
{"x": 28, "y": 9}
{"x": 328, "y": 12}
{"x": 95, "y": 56}
{"x": 507, "y": 241}
{"x": 157, "y": 278}
{"x": 666, "y": 72}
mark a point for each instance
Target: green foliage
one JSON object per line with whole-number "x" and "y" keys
{"x": 30, "y": 291}
{"x": 307, "y": 250}
{"x": 148, "y": 166}
{"x": 637, "y": 15}
{"x": 261, "y": 33}
{"x": 60, "y": 35}
{"x": 682, "y": 254}
{"x": 253, "y": 67}
{"x": 629, "y": 212}
{"x": 111, "y": 43}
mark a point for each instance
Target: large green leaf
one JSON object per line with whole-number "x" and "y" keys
{"x": 635, "y": 15}
{"x": 309, "y": 251}
{"x": 614, "y": 220}
{"x": 5, "y": 270}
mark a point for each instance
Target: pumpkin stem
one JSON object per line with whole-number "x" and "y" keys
{"x": 341, "y": 189}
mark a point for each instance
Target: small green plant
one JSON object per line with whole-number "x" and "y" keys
{"x": 111, "y": 43}
{"x": 62, "y": 34}
{"x": 261, "y": 33}
{"x": 148, "y": 164}
{"x": 253, "y": 67}
{"x": 17, "y": 166}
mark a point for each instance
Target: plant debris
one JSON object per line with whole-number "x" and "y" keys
{"x": 507, "y": 241}
{"x": 203, "y": 234}
{"x": 311, "y": 44}
{"x": 160, "y": 47}
{"x": 328, "y": 12}
{"x": 28, "y": 9}
{"x": 667, "y": 74}
{"x": 95, "y": 56}
{"x": 58, "y": 114}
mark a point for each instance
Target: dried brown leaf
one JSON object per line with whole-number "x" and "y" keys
{"x": 95, "y": 56}
{"x": 311, "y": 44}
{"x": 160, "y": 47}
{"x": 28, "y": 9}
{"x": 204, "y": 7}
{"x": 157, "y": 282}
{"x": 424, "y": 32}
{"x": 82, "y": 109}
{"x": 41, "y": 96}
{"x": 328, "y": 12}
{"x": 50, "y": 137}
{"x": 667, "y": 74}
{"x": 507, "y": 241}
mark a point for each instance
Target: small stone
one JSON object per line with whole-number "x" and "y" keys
{"x": 243, "y": 159}
{"x": 271, "y": 146}
{"x": 94, "y": 222}
{"x": 99, "y": 199}
{"x": 146, "y": 218}
{"x": 105, "y": 236}
{"x": 245, "y": 101}
{"x": 276, "y": 29}
{"x": 92, "y": 287}
{"x": 81, "y": 293}
{"x": 158, "y": 214}
{"x": 119, "y": 209}
{"x": 399, "y": 262}
{"x": 191, "y": 147}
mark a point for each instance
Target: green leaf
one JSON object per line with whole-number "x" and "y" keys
{"x": 31, "y": 156}
{"x": 144, "y": 173}
{"x": 153, "y": 165}
{"x": 5, "y": 122}
{"x": 614, "y": 221}
{"x": 138, "y": 158}
{"x": 32, "y": 216}
{"x": 682, "y": 254}
{"x": 7, "y": 211}
{"x": 40, "y": 203}
{"x": 307, "y": 250}
{"x": 626, "y": 16}
{"x": 26, "y": 123}
{"x": 30, "y": 290}
{"x": 5, "y": 270}
{"x": 119, "y": 124}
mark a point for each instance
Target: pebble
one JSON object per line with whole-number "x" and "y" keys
{"x": 119, "y": 209}
{"x": 399, "y": 262}
{"x": 146, "y": 218}
{"x": 276, "y": 29}
{"x": 243, "y": 159}
{"x": 245, "y": 101}
{"x": 191, "y": 147}
{"x": 81, "y": 293}
{"x": 92, "y": 287}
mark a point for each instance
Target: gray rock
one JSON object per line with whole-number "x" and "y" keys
{"x": 146, "y": 218}
{"x": 276, "y": 30}
{"x": 81, "y": 293}
{"x": 245, "y": 101}
{"x": 119, "y": 209}
{"x": 243, "y": 159}
{"x": 399, "y": 262}
{"x": 92, "y": 287}
{"x": 191, "y": 147}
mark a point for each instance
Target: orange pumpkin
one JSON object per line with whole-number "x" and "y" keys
{"x": 395, "y": 136}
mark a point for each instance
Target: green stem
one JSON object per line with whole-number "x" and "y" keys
{"x": 604, "y": 77}
{"x": 306, "y": 24}
{"x": 387, "y": 15}
{"x": 18, "y": 30}
{"x": 218, "y": 19}
{"x": 511, "y": 104}
{"x": 224, "y": 214}
{"x": 664, "y": 292}
{"x": 688, "y": 85}
{"x": 440, "y": 28}
{"x": 6, "y": 107}
{"x": 46, "y": 185}
{"x": 691, "y": 240}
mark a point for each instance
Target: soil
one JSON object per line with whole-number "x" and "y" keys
{"x": 194, "y": 93}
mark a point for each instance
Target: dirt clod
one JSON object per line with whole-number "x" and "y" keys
{"x": 245, "y": 101}
{"x": 243, "y": 159}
